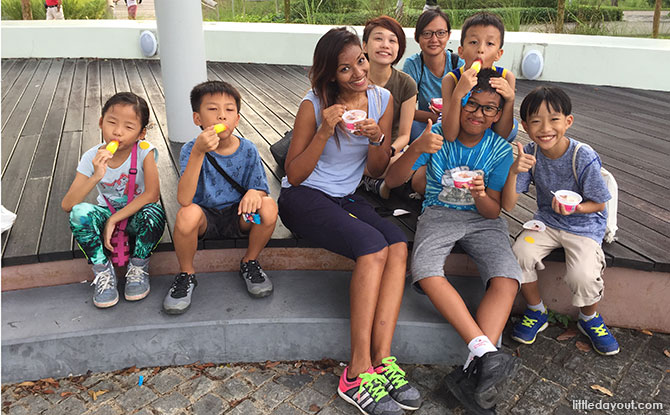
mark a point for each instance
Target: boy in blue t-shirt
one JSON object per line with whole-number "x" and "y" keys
{"x": 216, "y": 207}
{"x": 545, "y": 115}
{"x": 468, "y": 214}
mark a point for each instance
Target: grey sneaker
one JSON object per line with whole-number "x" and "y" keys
{"x": 406, "y": 396}
{"x": 258, "y": 283}
{"x": 137, "y": 279}
{"x": 106, "y": 294}
{"x": 178, "y": 299}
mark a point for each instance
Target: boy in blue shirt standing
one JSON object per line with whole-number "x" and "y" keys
{"x": 467, "y": 214}
{"x": 215, "y": 206}
{"x": 545, "y": 114}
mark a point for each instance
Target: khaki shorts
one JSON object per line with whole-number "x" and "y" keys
{"x": 584, "y": 261}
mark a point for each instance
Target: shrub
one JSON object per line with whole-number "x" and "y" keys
{"x": 73, "y": 9}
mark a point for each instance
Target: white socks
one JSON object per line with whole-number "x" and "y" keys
{"x": 538, "y": 307}
{"x": 584, "y": 317}
{"x": 478, "y": 347}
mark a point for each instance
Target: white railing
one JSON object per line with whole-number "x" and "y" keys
{"x": 594, "y": 60}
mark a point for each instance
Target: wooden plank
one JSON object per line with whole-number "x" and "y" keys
{"x": 21, "y": 246}
{"x": 13, "y": 128}
{"x": 278, "y": 80}
{"x": 74, "y": 118}
{"x": 107, "y": 84}
{"x": 120, "y": 76}
{"x": 42, "y": 105}
{"x": 57, "y": 241}
{"x": 92, "y": 109}
{"x": 12, "y": 94}
{"x": 11, "y": 73}
{"x": 287, "y": 103}
{"x": 7, "y": 64}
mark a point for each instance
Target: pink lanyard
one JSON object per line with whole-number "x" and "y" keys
{"x": 130, "y": 188}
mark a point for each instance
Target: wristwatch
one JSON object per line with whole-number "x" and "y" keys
{"x": 376, "y": 143}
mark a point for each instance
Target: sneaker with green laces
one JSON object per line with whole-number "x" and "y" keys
{"x": 532, "y": 323}
{"x": 602, "y": 340}
{"x": 368, "y": 394}
{"x": 405, "y": 395}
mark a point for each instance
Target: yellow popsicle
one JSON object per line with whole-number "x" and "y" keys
{"x": 113, "y": 146}
{"x": 218, "y": 128}
{"x": 477, "y": 65}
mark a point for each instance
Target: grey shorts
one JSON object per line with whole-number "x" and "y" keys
{"x": 486, "y": 241}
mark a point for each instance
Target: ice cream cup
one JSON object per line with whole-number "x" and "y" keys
{"x": 437, "y": 103}
{"x": 350, "y": 119}
{"x": 462, "y": 179}
{"x": 568, "y": 199}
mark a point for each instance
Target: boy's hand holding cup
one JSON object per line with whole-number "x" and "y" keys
{"x": 566, "y": 202}
{"x": 428, "y": 141}
{"x": 208, "y": 140}
{"x": 477, "y": 186}
{"x": 523, "y": 162}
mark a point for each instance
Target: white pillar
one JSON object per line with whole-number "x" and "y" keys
{"x": 181, "y": 48}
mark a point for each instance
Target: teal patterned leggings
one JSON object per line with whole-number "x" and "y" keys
{"x": 87, "y": 222}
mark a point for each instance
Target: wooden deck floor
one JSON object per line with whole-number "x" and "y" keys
{"x": 50, "y": 111}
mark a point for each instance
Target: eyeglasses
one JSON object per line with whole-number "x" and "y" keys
{"x": 427, "y": 34}
{"x": 487, "y": 110}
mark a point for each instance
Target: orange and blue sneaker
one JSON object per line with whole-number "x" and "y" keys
{"x": 406, "y": 396}
{"x": 532, "y": 323}
{"x": 602, "y": 340}
{"x": 368, "y": 393}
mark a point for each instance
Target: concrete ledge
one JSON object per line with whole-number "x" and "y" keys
{"x": 56, "y": 331}
{"x": 567, "y": 58}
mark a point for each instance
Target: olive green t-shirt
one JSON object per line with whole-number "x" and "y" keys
{"x": 402, "y": 88}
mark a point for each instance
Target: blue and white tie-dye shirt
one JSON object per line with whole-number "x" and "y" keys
{"x": 492, "y": 157}
{"x": 244, "y": 166}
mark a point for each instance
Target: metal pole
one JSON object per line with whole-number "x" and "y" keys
{"x": 182, "y": 53}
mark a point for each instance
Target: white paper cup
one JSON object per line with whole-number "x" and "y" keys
{"x": 568, "y": 199}
{"x": 350, "y": 118}
{"x": 462, "y": 179}
{"x": 535, "y": 225}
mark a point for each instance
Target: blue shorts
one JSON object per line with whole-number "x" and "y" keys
{"x": 347, "y": 225}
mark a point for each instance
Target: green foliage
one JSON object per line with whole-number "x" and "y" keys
{"x": 73, "y": 9}
{"x": 558, "y": 318}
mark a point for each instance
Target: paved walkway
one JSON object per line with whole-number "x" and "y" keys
{"x": 556, "y": 375}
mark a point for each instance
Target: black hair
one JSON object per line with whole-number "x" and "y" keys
{"x": 484, "y": 19}
{"x": 390, "y": 24}
{"x": 428, "y": 16}
{"x": 128, "y": 98}
{"x": 552, "y": 96}
{"x": 483, "y": 84}
{"x": 213, "y": 87}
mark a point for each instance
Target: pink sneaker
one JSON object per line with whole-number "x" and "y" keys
{"x": 368, "y": 393}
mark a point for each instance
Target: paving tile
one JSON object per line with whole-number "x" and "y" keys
{"x": 246, "y": 407}
{"x": 222, "y": 372}
{"x": 35, "y": 404}
{"x": 326, "y": 384}
{"x": 309, "y": 400}
{"x": 546, "y": 391}
{"x": 135, "y": 398}
{"x": 270, "y": 395}
{"x": 258, "y": 377}
{"x": 294, "y": 381}
{"x": 196, "y": 388}
{"x": 112, "y": 387}
{"x": 165, "y": 380}
{"x": 234, "y": 389}
{"x": 71, "y": 405}
{"x": 288, "y": 409}
{"x": 104, "y": 409}
{"x": 172, "y": 404}
{"x": 17, "y": 409}
{"x": 209, "y": 405}
{"x": 527, "y": 406}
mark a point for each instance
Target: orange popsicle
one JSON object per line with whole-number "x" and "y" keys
{"x": 477, "y": 65}
{"x": 218, "y": 128}
{"x": 113, "y": 146}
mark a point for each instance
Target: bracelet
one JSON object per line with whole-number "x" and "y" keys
{"x": 378, "y": 142}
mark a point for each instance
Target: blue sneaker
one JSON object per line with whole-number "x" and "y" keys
{"x": 602, "y": 340}
{"x": 532, "y": 323}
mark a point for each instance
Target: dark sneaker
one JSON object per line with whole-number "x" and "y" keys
{"x": 106, "y": 294}
{"x": 368, "y": 394}
{"x": 406, "y": 396}
{"x": 178, "y": 299}
{"x": 258, "y": 283}
{"x": 602, "y": 340}
{"x": 463, "y": 389}
{"x": 137, "y": 279}
{"x": 532, "y": 323}
{"x": 373, "y": 185}
{"x": 493, "y": 373}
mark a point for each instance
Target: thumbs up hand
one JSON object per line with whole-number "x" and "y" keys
{"x": 429, "y": 142}
{"x": 523, "y": 162}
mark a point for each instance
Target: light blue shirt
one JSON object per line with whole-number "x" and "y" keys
{"x": 492, "y": 157}
{"x": 552, "y": 175}
{"x": 429, "y": 85}
{"x": 340, "y": 167}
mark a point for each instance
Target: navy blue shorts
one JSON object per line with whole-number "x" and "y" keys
{"x": 347, "y": 225}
